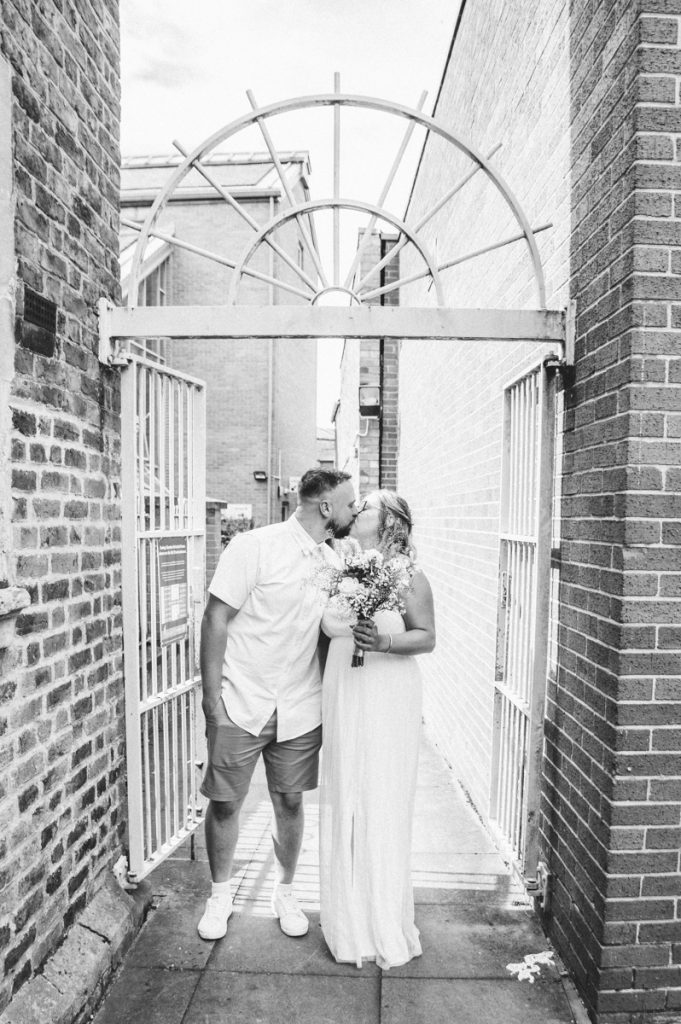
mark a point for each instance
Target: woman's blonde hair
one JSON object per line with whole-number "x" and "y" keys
{"x": 394, "y": 525}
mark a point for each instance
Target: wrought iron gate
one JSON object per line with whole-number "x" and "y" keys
{"x": 523, "y": 612}
{"x": 163, "y": 498}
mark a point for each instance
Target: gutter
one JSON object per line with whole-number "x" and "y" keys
{"x": 437, "y": 100}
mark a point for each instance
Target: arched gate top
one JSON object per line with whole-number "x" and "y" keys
{"x": 356, "y": 287}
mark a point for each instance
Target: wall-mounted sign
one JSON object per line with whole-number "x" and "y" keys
{"x": 172, "y": 588}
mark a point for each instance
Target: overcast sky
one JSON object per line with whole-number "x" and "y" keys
{"x": 186, "y": 65}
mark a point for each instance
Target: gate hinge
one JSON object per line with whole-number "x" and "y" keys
{"x": 111, "y": 352}
{"x": 122, "y": 875}
{"x": 539, "y": 887}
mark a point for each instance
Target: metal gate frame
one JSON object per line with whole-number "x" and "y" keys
{"x": 163, "y": 489}
{"x": 357, "y": 317}
{"x": 525, "y": 536}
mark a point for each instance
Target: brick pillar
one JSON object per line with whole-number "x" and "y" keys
{"x": 613, "y": 801}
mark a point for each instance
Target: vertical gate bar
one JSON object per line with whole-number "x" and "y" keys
{"x": 513, "y": 456}
{"x": 161, "y": 387}
{"x": 527, "y": 617}
{"x": 129, "y": 582}
{"x": 517, "y": 778}
{"x": 518, "y": 629}
{"x": 496, "y": 733}
{"x": 515, "y": 621}
{"x": 151, "y": 434}
{"x": 533, "y": 460}
{"x": 504, "y": 774}
{"x": 187, "y": 767}
{"x": 531, "y": 616}
{"x": 181, "y": 440}
{"x": 156, "y": 779}
{"x": 143, "y": 740}
{"x": 143, "y": 592}
{"x": 507, "y": 764}
{"x": 172, "y": 525}
{"x": 140, "y": 438}
{"x": 198, "y": 583}
{"x": 543, "y": 519}
{"x": 516, "y": 457}
{"x": 167, "y": 809}
{"x": 154, "y": 616}
{"x": 512, "y": 774}
{"x": 176, "y": 773}
{"x": 500, "y": 759}
{"x": 522, "y": 453}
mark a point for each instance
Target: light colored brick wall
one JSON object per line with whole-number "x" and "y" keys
{"x": 62, "y": 808}
{"x": 508, "y": 83}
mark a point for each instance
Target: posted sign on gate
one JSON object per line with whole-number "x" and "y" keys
{"x": 173, "y": 589}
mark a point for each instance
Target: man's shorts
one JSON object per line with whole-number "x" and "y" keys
{"x": 291, "y": 766}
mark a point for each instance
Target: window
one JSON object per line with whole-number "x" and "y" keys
{"x": 153, "y": 289}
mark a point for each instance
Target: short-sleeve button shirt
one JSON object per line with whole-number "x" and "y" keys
{"x": 271, "y": 575}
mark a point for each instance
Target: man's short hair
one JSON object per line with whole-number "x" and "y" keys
{"x": 316, "y": 482}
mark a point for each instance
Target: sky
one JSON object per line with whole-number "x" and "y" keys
{"x": 186, "y": 67}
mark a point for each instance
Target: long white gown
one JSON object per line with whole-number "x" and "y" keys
{"x": 371, "y": 731}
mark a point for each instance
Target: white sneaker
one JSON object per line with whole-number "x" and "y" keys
{"x": 292, "y": 920}
{"x": 213, "y": 924}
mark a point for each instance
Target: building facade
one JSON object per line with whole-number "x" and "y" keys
{"x": 261, "y": 397}
{"x": 62, "y": 794}
{"x": 583, "y": 99}
{"x": 367, "y": 445}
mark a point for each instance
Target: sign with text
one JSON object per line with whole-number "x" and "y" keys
{"x": 172, "y": 588}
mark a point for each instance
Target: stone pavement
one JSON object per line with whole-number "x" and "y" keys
{"x": 474, "y": 919}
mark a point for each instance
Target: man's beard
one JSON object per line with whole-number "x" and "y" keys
{"x": 338, "y": 531}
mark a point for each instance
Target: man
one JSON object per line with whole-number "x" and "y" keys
{"x": 262, "y": 685}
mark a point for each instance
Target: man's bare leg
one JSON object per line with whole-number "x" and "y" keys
{"x": 287, "y": 835}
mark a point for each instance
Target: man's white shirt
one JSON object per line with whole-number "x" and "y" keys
{"x": 271, "y": 575}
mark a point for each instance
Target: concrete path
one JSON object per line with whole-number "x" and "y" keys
{"x": 474, "y": 920}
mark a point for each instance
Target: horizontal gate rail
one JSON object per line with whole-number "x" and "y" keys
{"x": 325, "y": 322}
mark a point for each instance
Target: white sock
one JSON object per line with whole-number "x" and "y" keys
{"x": 221, "y": 889}
{"x": 284, "y": 889}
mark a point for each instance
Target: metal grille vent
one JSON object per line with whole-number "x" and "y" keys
{"x": 40, "y": 311}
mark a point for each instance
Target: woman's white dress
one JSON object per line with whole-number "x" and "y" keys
{"x": 371, "y": 730}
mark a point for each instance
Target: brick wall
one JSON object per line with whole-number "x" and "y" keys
{"x": 61, "y": 696}
{"x": 613, "y": 817}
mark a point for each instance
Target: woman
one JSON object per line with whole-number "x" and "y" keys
{"x": 371, "y": 727}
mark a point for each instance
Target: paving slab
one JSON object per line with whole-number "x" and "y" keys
{"x": 251, "y": 998}
{"x": 147, "y": 995}
{"x": 435, "y": 1001}
{"x": 471, "y": 942}
{"x": 473, "y": 914}
{"x": 169, "y": 938}
{"x": 257, "y": 944}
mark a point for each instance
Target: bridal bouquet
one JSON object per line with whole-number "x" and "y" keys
{"x": 366, "y": 584}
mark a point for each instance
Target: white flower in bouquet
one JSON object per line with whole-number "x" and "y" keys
{"x": 367, "y": 584}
